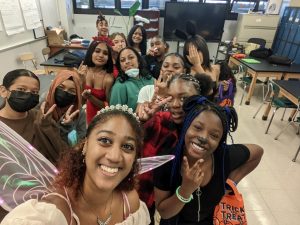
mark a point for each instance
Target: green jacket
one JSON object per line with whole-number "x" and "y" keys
{"x": 127, "y": 93}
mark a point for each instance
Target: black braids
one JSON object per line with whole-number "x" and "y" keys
{"x": 179, "y": 147}
{"x": 186, "y": 77}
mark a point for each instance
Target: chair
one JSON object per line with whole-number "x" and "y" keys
{"x": 246, "y": 81}
{"x": 29, "y": 57}
{"x": 276, "y": 102}
{"x": 297, "y": 153}
{"x": 45, "y": 51}
{"x": 259, "y": 41}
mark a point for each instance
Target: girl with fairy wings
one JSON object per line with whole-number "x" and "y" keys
{"x": 93, "y": 179}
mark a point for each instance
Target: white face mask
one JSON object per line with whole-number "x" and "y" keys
{"x": 132, "y": 72}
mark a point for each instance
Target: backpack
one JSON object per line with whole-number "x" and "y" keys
{"x": 228, "y": 98}
{"x": 73, "y": 59}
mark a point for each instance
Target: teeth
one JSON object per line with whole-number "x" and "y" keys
{"x": 197, "y": 147}
{"x": 109, "y": 169}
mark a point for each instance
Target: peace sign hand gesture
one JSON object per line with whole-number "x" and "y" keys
{"x": 192, "y": 177}
{"x": 47, "y": 114}
{"x": 68, "y": 117}
{"x": 161, "y": 83}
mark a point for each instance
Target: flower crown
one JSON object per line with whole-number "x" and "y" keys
{"x": 123, "y": 108}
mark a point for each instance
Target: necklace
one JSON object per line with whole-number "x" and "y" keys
{"x": 99, "y": 221}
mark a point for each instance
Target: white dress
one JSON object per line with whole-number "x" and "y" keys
{"x": 33, "y": 212}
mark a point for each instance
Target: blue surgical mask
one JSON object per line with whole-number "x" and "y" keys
{"x": 72, "y": 138}
{"x": 133, "y": 72}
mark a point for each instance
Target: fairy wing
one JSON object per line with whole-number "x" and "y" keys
{"x": 24, "y": 172}
{"x": 150, "y": 163}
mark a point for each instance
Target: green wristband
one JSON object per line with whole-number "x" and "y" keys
{"x": 182, "y": 199}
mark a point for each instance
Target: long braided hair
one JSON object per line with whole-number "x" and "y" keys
{"x": 192, "y": 107}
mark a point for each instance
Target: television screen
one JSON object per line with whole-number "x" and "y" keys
{"x": 209, "y": 19}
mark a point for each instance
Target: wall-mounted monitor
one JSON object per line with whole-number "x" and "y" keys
{"x": 209, "y": 19}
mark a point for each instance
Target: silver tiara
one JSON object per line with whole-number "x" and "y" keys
{"x": 119, "y": 107}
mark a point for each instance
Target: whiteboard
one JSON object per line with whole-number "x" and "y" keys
{"x": 48, "y": 11}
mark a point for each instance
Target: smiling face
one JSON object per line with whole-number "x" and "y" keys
{"x": 203, "y": 136}
{"x": 102, "y": 28}
{"x": 119, "y": 43}
{"x": 128, "y": 60}
{"x": 100, "y": 55}
{"x": 179, "y": 90}
{"x": 111, "y": 150}
{"x": 137, "y": 36}
{"x": 172, "y": 65}
{"x": 159, "y": 47}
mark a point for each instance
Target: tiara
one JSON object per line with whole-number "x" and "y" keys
{"x": 119, "y": 107}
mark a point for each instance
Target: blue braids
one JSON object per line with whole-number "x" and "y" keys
{"x": 193, "y": 106}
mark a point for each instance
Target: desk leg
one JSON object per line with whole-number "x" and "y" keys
{"x": 251, "y": 89}
{"x": 267, "y": 111}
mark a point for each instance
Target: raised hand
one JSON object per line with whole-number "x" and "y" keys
{"x": 152, "y": 51}
{"x": 162, "y": 82}
{"x": 86, "y": 93}
{"x": 82, "y": 69}
{"x": 225, "y": 84}
{"x": 194, "y": 57}
{"x": 192, "y": 177}
{"x": 68, "y": 117}
{"x": 49, "y": 112}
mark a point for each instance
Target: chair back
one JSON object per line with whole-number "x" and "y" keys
{"x": 28, "y": 56}
{"x": 259, "y": 41}
{"x": 45, "y": 51}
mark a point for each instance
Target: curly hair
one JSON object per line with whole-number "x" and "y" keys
{"x": 122, "y": 75}
{"x": 73, "y": 169}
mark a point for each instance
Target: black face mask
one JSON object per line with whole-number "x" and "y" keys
{"x": 21, "y": 101}
{"x": 63, "y": 98}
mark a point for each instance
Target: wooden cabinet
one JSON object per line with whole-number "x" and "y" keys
{"x": 152, "y": 28}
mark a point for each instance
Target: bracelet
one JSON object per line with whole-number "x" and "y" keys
{"x": 182, "y": 199}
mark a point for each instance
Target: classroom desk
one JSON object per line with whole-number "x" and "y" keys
{"x": 55, "y": 63}
{"x": 291, "y": 90}
{"x": 265, "y": 69}
{"x": 56, "y": 48}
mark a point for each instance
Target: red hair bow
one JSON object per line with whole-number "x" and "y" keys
{"x": 104, "y": 39}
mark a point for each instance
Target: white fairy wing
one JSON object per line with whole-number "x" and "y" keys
{"x": 24, "y": 172}
{"x": 150, "y": 163}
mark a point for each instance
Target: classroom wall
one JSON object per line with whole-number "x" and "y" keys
{"x": 85, "y": 26}
{"x": 295, "y": 3}
{"x": 25, "y": 41}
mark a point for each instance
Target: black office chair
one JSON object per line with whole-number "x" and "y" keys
{"x": 259, "y": 41}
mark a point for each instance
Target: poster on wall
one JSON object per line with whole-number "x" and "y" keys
{"x": 11, "y": 16}
{"x": 273, "y": 7}
{"x": 31, "y": 14}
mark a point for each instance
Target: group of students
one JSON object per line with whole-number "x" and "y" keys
{"x": 96, "y": 151}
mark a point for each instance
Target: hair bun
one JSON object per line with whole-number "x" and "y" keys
{"x": 191, "y": 28}
{"x": 180, "y": 34}
{"x": 100, "y": 16}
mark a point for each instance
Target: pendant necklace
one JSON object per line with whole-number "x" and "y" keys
{"x": 99, "y": 221}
